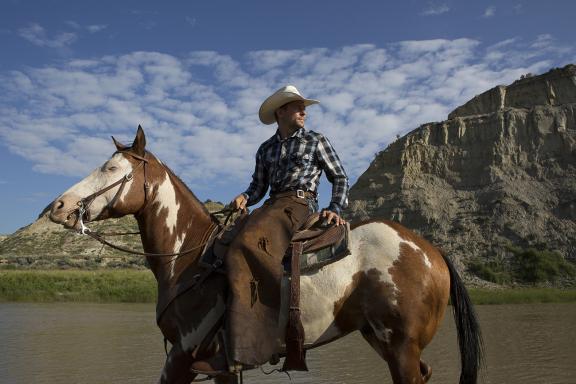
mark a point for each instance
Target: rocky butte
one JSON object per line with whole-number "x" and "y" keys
{"x": 500, "y": 171}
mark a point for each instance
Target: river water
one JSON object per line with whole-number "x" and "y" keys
{"x": 119, "y": 343}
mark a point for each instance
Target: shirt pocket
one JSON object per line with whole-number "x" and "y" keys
{"x": 300, "y": 160}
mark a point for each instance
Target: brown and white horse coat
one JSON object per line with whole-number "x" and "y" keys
{"x": 393, "y": 288}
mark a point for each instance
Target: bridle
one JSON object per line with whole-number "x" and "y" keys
{"x": 84, "y": 205}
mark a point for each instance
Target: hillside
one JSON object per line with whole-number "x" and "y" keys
{"x": 499, "y": 172}
{"x": 45, "y": 245}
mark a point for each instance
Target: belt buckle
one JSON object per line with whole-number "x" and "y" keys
{"x": 300, "y": 194}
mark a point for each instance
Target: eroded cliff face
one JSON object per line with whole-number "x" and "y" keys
{"x": 501, "y": 170}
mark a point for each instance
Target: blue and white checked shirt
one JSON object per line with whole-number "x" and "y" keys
{"x": 295, "y": 163}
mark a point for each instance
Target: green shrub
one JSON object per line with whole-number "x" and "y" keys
{"x": 492, "y": 270}
{"x": 536, "y": 266}
{"x": 528, "y": 266}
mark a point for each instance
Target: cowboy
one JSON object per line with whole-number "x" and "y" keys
{"x": 289, "y": 164}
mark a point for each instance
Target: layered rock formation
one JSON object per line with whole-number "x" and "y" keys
{"x": 501, "y": 170}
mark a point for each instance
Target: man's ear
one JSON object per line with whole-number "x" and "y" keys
{"x": 278, "y": 112}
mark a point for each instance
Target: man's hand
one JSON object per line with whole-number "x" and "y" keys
{"x": 239, "y": 202}
{"x": 330, "y": 217}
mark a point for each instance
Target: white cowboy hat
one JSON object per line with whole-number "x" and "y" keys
{"x": 282, "y": 96}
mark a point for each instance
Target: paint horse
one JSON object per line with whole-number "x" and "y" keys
{"x": 393, "y": 288}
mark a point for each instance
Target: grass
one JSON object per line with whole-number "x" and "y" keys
{"x": 138, "y": 286}
{"x": 521, "y": 295}
{"x": 100, "y": 286}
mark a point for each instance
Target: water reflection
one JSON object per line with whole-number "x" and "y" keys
{"x": 120, "y": 343}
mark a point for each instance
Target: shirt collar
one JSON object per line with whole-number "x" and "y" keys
{"x": 299, "y": 134}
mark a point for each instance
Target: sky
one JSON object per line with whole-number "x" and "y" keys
{"x": 194, "y": 73}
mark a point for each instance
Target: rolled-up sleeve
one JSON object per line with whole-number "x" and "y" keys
{"x": 331, "y": 164}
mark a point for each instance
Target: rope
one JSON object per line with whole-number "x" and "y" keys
{"x": 118, "y": 233}
{"x": 274, "y": 371}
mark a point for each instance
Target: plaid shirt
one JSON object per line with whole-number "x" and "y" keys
{"x": 297, "y": 163}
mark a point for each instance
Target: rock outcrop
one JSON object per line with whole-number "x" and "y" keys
{"x": 501, "y": 170}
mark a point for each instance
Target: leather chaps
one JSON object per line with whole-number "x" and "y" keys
{"x": 254, "y": 267}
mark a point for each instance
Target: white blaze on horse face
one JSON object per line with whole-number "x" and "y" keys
{"x": 374, "y": 246}
{"x": 111, "y": 171}
{"x": 166, "y": 197}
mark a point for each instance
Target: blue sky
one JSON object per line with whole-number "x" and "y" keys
{"x": 194, "y": 73}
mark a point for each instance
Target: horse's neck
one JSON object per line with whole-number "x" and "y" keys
{"x": 173, "y": 221}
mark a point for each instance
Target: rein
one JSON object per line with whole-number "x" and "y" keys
{"x": 98, "y": 237}
{"x": 213, "y": 230}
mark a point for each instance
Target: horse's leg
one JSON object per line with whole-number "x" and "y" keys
{"x": 177, "y": 367}
{"x": 405, "y": 364}
{"x": 403, "y": 357}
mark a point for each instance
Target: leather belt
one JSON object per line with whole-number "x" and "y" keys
{"x": 298, "y": 193}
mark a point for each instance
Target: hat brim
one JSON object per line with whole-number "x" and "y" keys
{"x": 271, "y": 104}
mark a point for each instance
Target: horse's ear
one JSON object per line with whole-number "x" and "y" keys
{"x": 139, "y": 143}
{"x": 119, "y": 145}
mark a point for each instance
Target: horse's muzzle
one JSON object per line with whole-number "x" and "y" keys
{"x": 65, "y": 211}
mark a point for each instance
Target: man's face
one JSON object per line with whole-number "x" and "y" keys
{"x": 292, "y": 114}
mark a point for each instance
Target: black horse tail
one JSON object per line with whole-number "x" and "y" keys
{"x": 468, "y": 328}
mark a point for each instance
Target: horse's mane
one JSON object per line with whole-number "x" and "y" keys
{"x": 172, "y": 175}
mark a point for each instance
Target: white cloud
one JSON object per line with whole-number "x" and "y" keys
{"x": 73, "y": 24}
{"x": 94, "y": 28}
{"x": 200, "y": 111}
{"x": 489, "y": 12}
{"x": 434, "y": 9}
{"x": 37, "y": 35}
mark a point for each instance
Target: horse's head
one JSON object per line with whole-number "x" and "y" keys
{"x": 117, "y": 188}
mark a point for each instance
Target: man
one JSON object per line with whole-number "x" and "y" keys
{"x": 290, "y": 164}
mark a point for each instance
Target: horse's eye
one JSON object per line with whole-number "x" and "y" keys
{"x": 112, "y": 168}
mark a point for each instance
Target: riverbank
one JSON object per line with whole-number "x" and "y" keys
{"x": 98, "y": 286}
{"x": 139, "y": 286}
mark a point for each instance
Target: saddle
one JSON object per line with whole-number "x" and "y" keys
{"x": 321, "y": 245}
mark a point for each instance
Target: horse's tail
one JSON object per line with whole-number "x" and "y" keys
{"x": 469, "y": 335}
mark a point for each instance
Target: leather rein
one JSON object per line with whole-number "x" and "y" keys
{"x": 85, "y": 203}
